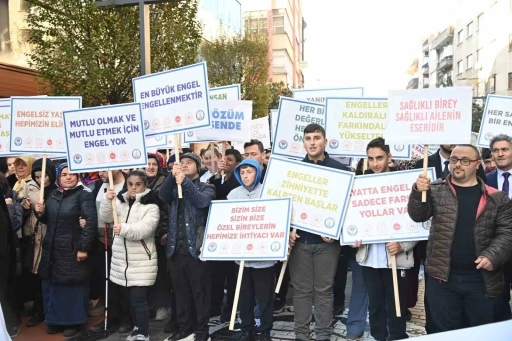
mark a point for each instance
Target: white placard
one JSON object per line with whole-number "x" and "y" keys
{"x": 273, "y": 123}
{"x": 247, "y": 230}
{"x": 106, "y": 137}
{"x": 320, "y": 194}
{"x": 377, "y": 210}
{"x": 5, "y": 127}
{"x": 260, "y": 130}
{"x": 496, "y": 119}
{"x": 153, "y": 142}
{"x": 222, "y": 93}
{"x": 320, "y": 95}
{"x": 293, "y": 117}
{"x": 36, "y": 124}
{"x": 417, "y": 150}
{"x": 229, "y": 119}
{"x": 174, "y": 100}
{"x": 429, "y": 116}
{"x": 170, "y": 142}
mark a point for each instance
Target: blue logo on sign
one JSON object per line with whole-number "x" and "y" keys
{"x": 136, "y": 154}
{"x": 399, "y": 147}
{"x": 18, "y": 141}
{"x": 283, "y": 144}
{"x": 77, "y": 158}
{"x": 329, "y": 223}
{"x": 275, "y": 246}
{"x": 334, "y": 144}
{"x": 212, "y": 247}
{"x": 146, "y": 124}
{"x": 352, "y": 230}
{"x": 190, "y": 133}
{"x": 200, "y": 115}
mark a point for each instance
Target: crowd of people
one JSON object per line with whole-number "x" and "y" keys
{"x": 54, "y": 252}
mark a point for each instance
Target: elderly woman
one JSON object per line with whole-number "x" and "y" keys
{"x": 134, "y": 258}
{"x": 64, "y": 267}
{"x": 22, "y": 174}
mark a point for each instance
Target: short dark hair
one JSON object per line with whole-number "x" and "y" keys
{"x": 201, "y": 153}
{"x": 235, "y": 153}
{"x": 140, "y": 174}
{"x": 314, "y": 128}
{"x": 380, "y": 143}
{"x": 486, "y": 153}
{"x": 255, "y": 142}
{"x": 475, "y": 149}
{"x": 499, "y": 138}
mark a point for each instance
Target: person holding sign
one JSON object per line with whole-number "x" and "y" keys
{"x": 64, "y": 268}
{"x": 314, "y": 259}
{"x": 375, "y": 260}
{"x": 258, "y": 277}
{"x": 187, "y": 219}
{"x": 134, "y": 258}
{"x": 469, "y": 243}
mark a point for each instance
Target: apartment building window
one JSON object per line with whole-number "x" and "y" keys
{"x": 510, "y": 41}
{"x": 460, "y": 37}
{"x": 460, "y": 67}
{"x": 491, "y": 84}
{"x": 24, "y": 5}
{"x": 469, "y": 62}
{"x": 278, "y": 24}
{"x": 470, "y": 29}
{"x": 510, "y": 80}
{"x": 480, "y": 21}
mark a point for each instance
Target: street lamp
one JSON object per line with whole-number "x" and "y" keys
{"x": 145, "y": 47}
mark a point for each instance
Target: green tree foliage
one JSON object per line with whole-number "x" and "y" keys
{"x": 240, "y": 60}
{"x": 277, "y": 90}
{"x": 81, "y": 49}
{"x": 478, "y": 110}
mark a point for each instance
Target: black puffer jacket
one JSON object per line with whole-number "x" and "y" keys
{"x": 492, "y": 230}
{"x": 64, "y": 236}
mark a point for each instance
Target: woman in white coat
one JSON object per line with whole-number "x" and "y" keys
{"x": 134, "y": 260}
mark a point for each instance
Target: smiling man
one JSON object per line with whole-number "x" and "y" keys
{"x": 469, "y": 243}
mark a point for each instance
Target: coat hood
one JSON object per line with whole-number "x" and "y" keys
{"x": 251, "y": 163}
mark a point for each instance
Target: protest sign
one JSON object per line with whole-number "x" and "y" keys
{"x": 222, "y": 93}
{"x": 377, "y": 210}
{"x": 229, "y": 120}
{"x": 260, "y": 130}
{"x": 320, "y": 95}
{"x": 293, "y": 117}
{"x": 418, "y": 150}
{"x": 107, "y": 137}
{"x": 174, "y": 100}
{"x": 247, "y": 230}
{"x": 429, "y": 116}
{"x": 5, "y": 127}
{"x": 153, "y": 142}
{"x": 170, "y": 142}
{"x": 319, "y": 201}
{"x": 496, "y": 119}
{"x": 36, "y": 124}
{"x": 273, "y": 124}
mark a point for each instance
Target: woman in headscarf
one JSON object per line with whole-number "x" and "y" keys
{"x": 33, "y": 235}
{"x": 22, "y": 175}
{"x": 64, "y": 268}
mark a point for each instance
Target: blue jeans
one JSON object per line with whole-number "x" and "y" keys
{"x": 358, "y": 308}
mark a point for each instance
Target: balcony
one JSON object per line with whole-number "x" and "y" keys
{"x": 445, "y": 63}
{"x": 424, "y": 46}
{"x": 413, "y": 83}
{"x": 424, "y": 71}
{"x": 425, "y": 62}
{"x": 279, "y": 70}
{"x": 443, "y": 39}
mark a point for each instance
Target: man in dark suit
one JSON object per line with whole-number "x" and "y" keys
{"x": 501, "y": 149}
{"x": 439, "y": 161}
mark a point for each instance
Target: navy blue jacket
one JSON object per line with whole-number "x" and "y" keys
{"x": 492, "y": 179}
{"x": 307, "y": 237}
{"x": 197, "y": 197}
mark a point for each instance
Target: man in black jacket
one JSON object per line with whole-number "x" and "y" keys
{"x": 313, "y": 260}
{"x": 9, "y": 251}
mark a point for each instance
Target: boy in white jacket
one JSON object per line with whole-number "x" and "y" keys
{"x": 258, "y": 279}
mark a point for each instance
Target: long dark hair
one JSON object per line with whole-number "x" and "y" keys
{"x": 5, "y": 189}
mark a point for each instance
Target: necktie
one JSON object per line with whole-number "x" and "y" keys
{"x": 446, "y": 170}
{"x": 505, "y": 182}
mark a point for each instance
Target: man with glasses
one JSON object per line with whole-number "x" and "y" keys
{"x": 501, "y": 151}
{"x": 470, "y": 240}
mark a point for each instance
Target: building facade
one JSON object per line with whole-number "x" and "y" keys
{"x": 483, "y": 52}
{"x": 283, "y": 23}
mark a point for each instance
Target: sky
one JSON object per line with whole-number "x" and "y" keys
{"x": 369, "y": 43}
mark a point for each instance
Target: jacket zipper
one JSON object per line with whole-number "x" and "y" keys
{"x": 146, "y": 248}
{"x": 126, "y": 249}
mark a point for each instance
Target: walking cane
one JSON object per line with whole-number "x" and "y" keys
{"x": 105, "y": 236}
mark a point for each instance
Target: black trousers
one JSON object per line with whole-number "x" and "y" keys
{"x": 139, "y": 307}
{"x": 191, "y": 280}
{"x": 340, "y": 280}
{"x": 223, "y": 274}
{"x": 160, "y": 293}
{"x": 283, "y": 291}
{"x": 462, "y": 296}
{"x": 257, "y": 284}
{"x": 503, "y": 312}
{"x": 8, "y": 295}
{"x": 118, "y": 307}
{"x": 381, "y": 306}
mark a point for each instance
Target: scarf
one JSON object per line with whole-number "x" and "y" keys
{"x": 20, "y": 185}
{"x": 152, "y": 181}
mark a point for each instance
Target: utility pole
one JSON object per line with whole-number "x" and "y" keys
{"x": 145, "y": 46}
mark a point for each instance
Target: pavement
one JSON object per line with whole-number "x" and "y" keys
{"x": 282, "y": 329}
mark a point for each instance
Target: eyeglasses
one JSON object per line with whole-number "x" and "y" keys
{"x": 464, "y": 162}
